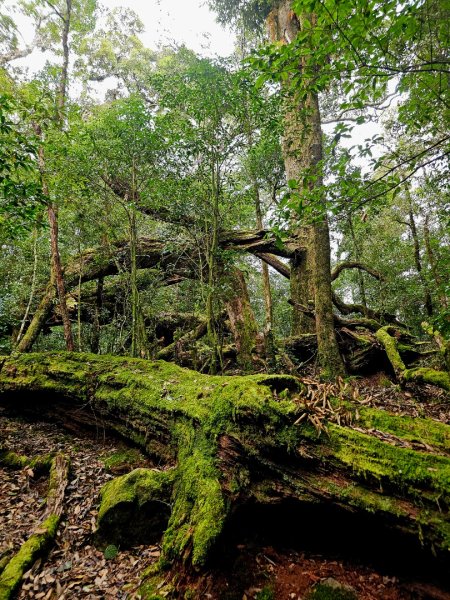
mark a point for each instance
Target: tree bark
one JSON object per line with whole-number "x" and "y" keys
{"x": 303, "y": 154}
{"x": 417, "y": 260}
{"x": 225, "y": 443}
{"x": 242, "y": 319}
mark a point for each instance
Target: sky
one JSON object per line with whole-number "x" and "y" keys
{"x": 186, "y": 21}
{"x": 165, "y": 21}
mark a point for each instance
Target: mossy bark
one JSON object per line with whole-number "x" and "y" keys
{"x": 242, "y": 319}
{"x": 303, "y": 157}
{"x": 41, "y": 540}
{"x": 29, "y": 552}
{"x": 386, "y": 336}
{"x": 230, "y": 441}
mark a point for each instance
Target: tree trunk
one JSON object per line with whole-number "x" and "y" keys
{"x": 433, "y": 264}
{"x": 229, "y": 442}
{"x": 303, "y": 154}
{"x": 418, "y": 262}
{"x": 95, "y": 336}
{"x": 242, "y": 320}
{"x": 283, "y": 26}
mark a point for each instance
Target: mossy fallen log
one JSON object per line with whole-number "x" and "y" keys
{"x": 226, "y": 442}
{"x": 40, "y": 541}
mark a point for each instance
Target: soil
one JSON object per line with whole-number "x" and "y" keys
{"x": 247, "y": 568}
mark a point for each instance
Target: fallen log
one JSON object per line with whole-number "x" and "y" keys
{"x": 175, "y": 265}
{"x": 40, "y": 541}
{"x": 222, "y": 443}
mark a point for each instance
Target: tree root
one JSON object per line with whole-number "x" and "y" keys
{"x": 40, "y": 541}
{"x": 386, "y": 336}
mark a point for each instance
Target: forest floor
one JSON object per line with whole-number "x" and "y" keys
{"x": 249, "y": 568}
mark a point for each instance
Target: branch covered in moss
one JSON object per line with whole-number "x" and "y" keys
{"x": 386, "y": 336}
{"x": 41, "y": 540}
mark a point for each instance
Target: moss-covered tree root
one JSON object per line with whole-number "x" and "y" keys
{"x": 386, "y": 336}
{"x": 224, "y": 442}
{"x": 12, "y": 460}
{"x": 41, "y": 540}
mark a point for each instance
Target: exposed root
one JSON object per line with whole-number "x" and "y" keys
{"x": 40, "y": 541}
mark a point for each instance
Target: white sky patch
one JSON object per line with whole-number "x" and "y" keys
{"x": 166, "y": 22}
{"x": 183, "y": 21}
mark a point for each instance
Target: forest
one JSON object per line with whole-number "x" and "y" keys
{"x": 225, "y": 304}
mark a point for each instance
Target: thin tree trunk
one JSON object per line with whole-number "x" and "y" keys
{"x": 95, "y": 338}
{"x": 63, "y": 83}
{"x": 427, "y": 296}
{"x": 52, "y": 209}
{"x": 33, "y": 287}
{"x": 268, "y": 333}
{"x": 433, "y": 263}
{"x": 216, "y": 354}
{"x": 358, "y": 251}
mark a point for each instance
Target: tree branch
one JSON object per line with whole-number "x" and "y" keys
{"x": 354, "y": 265}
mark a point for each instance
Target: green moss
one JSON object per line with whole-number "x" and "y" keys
{"x": 12, "y": 460}
{"x": 199, "y": 509}
{"x": 4, "y": 559}
{"x": 427, "y": 431}
{"x": 29, "y": 552}
{"x": 409, "y": 469}
{"x": 125, "y": 459}
{"x": 424, "y": 375}
{"x": 184, "y": 418}
{"x": 39, "y": 464}
{"x": 391, "y": 346}
{"x": 360, "y": 497}
{"x": 155, "y": 588}
{"x": 134, "y": 507}
{"x": 331, "y": 590}
{"x": 267, "y": 593}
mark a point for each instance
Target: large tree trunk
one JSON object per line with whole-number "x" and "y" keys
{"x": 303, "y": 154}
{"x": 226, "y": 442}
{"x": 283, "y": 26}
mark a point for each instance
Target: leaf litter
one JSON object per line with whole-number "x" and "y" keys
{"x": 74, "y": 569}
